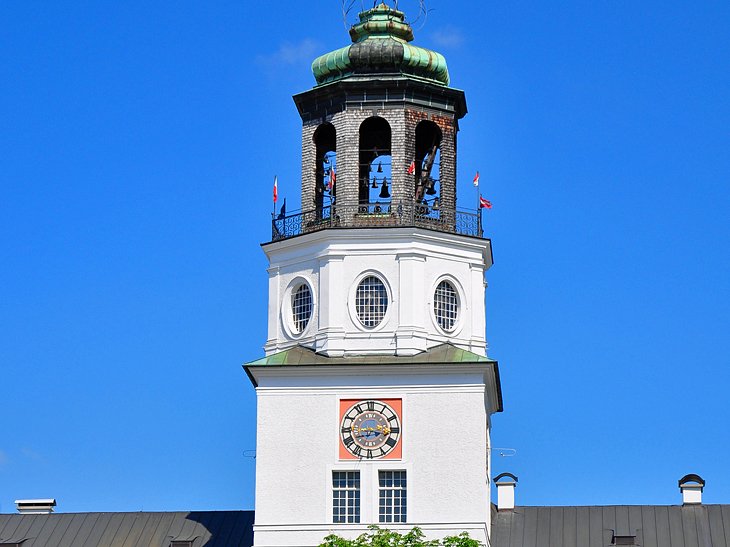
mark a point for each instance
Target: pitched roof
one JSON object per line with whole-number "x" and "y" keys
{"x": 203, "y": 528}
{"x": 444, "y": 353}
{"x": 648, "y": 525}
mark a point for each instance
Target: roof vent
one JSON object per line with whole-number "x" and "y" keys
{"x": 506, "y": 483}
{"x": 691, "y": 487}
{"x": 35, "y": 507}
{"x": 623, "y": 540}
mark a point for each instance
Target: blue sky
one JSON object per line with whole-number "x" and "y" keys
{"x": 138, "y": 142}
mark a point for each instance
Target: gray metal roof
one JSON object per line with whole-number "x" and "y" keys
{"x": 652, "y": 526}
{"x": 203, "y": 528}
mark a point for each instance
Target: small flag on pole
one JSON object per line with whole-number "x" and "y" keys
{"x": 412, "y": 167}
{"x": 484, "y": 203}
{"x": 276, "y": 188}
{"x": 476, "y": 179}
{"x": 333, "y": 179}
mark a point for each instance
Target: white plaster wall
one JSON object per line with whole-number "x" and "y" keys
{"x": 410, "y": 261}
{"x": 444, "y": 426}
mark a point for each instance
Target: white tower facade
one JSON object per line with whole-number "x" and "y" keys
{"x": 376, "y": 394}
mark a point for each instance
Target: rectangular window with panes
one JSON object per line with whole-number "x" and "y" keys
{"x": 392, "y": 499}
{"x": 346, "y": 497}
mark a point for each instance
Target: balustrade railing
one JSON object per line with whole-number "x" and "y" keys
{"x": 374, "y": 215}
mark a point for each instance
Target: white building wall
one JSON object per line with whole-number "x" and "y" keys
{"x": 410, "y": 261}
{"x": 444, "y": 425}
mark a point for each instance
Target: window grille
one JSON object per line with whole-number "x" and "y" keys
{"x": 446, "y": 305}
{"x": 392, "y": 499}
{"x": 371, "y": 301}
{"x": 345, "y": 497}
{"x": 301, "y": 304}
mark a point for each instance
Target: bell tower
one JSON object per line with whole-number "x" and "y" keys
{"x": 376, "y": 394}
{"x": 378, "y": 188}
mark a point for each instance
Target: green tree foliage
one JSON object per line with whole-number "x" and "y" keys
{"x": 379, "y": 537}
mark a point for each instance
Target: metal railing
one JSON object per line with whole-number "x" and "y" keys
{"x": 377, "y": 215}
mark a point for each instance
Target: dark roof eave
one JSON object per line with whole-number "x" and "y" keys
{"x": 338, "y": 88}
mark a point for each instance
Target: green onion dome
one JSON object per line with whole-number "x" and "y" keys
{"x": 380, "y": 45}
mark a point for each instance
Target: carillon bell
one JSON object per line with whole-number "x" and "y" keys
{"x": 384, "y": 190}
{"x": 380, "y": 167}
{"x": 436, "y": 204}
{"x": 430, "y": 187}
{"x": 326, "y": 160}
{"x": 375, "y": 183}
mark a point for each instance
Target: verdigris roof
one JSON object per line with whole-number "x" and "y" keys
{"x": 203, "y": 528}
{"x": 444, "y": 353}
{"x": 648, "y": 525}
{"x": 380, "y": 45}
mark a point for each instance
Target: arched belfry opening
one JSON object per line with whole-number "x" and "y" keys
{"x": 428, "y": 163}
{"x": 325, "y": 143}
{"x": 375, "y": 166}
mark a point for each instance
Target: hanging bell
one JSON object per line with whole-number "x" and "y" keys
{"x": 380, "y": 167}
{"x": 431, "y": 187}
{"x": 436, "y": 204}
{"x": 375, "y": 184}
{"x": 326, "y": 160}
{"x": 384, "y": 190}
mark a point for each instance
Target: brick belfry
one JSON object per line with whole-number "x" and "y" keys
{"x": 376, "y": 394}
{"x": 380, "y": 75}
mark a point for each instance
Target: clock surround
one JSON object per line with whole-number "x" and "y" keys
{"x": 370, "y": 429}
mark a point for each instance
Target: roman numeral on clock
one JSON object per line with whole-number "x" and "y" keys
{"x": 390, "y": 442}
{"x": 371, "y": 405}
{"x": 348, "y": 441}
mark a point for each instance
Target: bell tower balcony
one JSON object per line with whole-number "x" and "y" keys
{"x": 429, "y": 214}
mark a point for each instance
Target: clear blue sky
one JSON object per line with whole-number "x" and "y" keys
{"x": 138, "y": 141}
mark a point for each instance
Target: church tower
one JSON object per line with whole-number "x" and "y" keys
{"x": 375, "y": 395}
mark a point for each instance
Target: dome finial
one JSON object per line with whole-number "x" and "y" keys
{"x": 381, "y": 22}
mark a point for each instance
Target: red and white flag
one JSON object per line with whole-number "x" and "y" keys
{"x": 276, "y": 188}
{"x": 476, "y": 179}
{"x": 412, "y": 167}
{"x": 484, "y": 203}
{"x": 333, "y": 179}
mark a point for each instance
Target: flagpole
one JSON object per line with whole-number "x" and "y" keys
{"x": 479, "y": 206}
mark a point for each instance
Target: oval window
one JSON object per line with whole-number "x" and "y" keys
{"x": 371, "y": 301}
{"x": 446, "y": 305}
{"x": 301, "y": 304}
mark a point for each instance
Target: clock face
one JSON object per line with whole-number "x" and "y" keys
{"x": 370, "y": 429}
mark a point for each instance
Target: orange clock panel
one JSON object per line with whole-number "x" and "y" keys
{"x": 370, "y": 430}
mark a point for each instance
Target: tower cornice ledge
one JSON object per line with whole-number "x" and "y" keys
{"x": 379, "y": 91}
{"x": 343, "y": 242}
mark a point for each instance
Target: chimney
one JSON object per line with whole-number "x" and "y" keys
{"x": 35, "y": 507}
{"x": 506, "y": 483}
{"x": 691, "y": 487}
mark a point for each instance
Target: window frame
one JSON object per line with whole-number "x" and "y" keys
{"x": 392, "y": 493}
{"x": 457, "y": 305}
{"x": 353, "y": 301}
{"x": 341, "y": 513}
{"x": 286, "y": 311}
{"x": 462, "y": 303}
{"x": 294, "y": 307}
